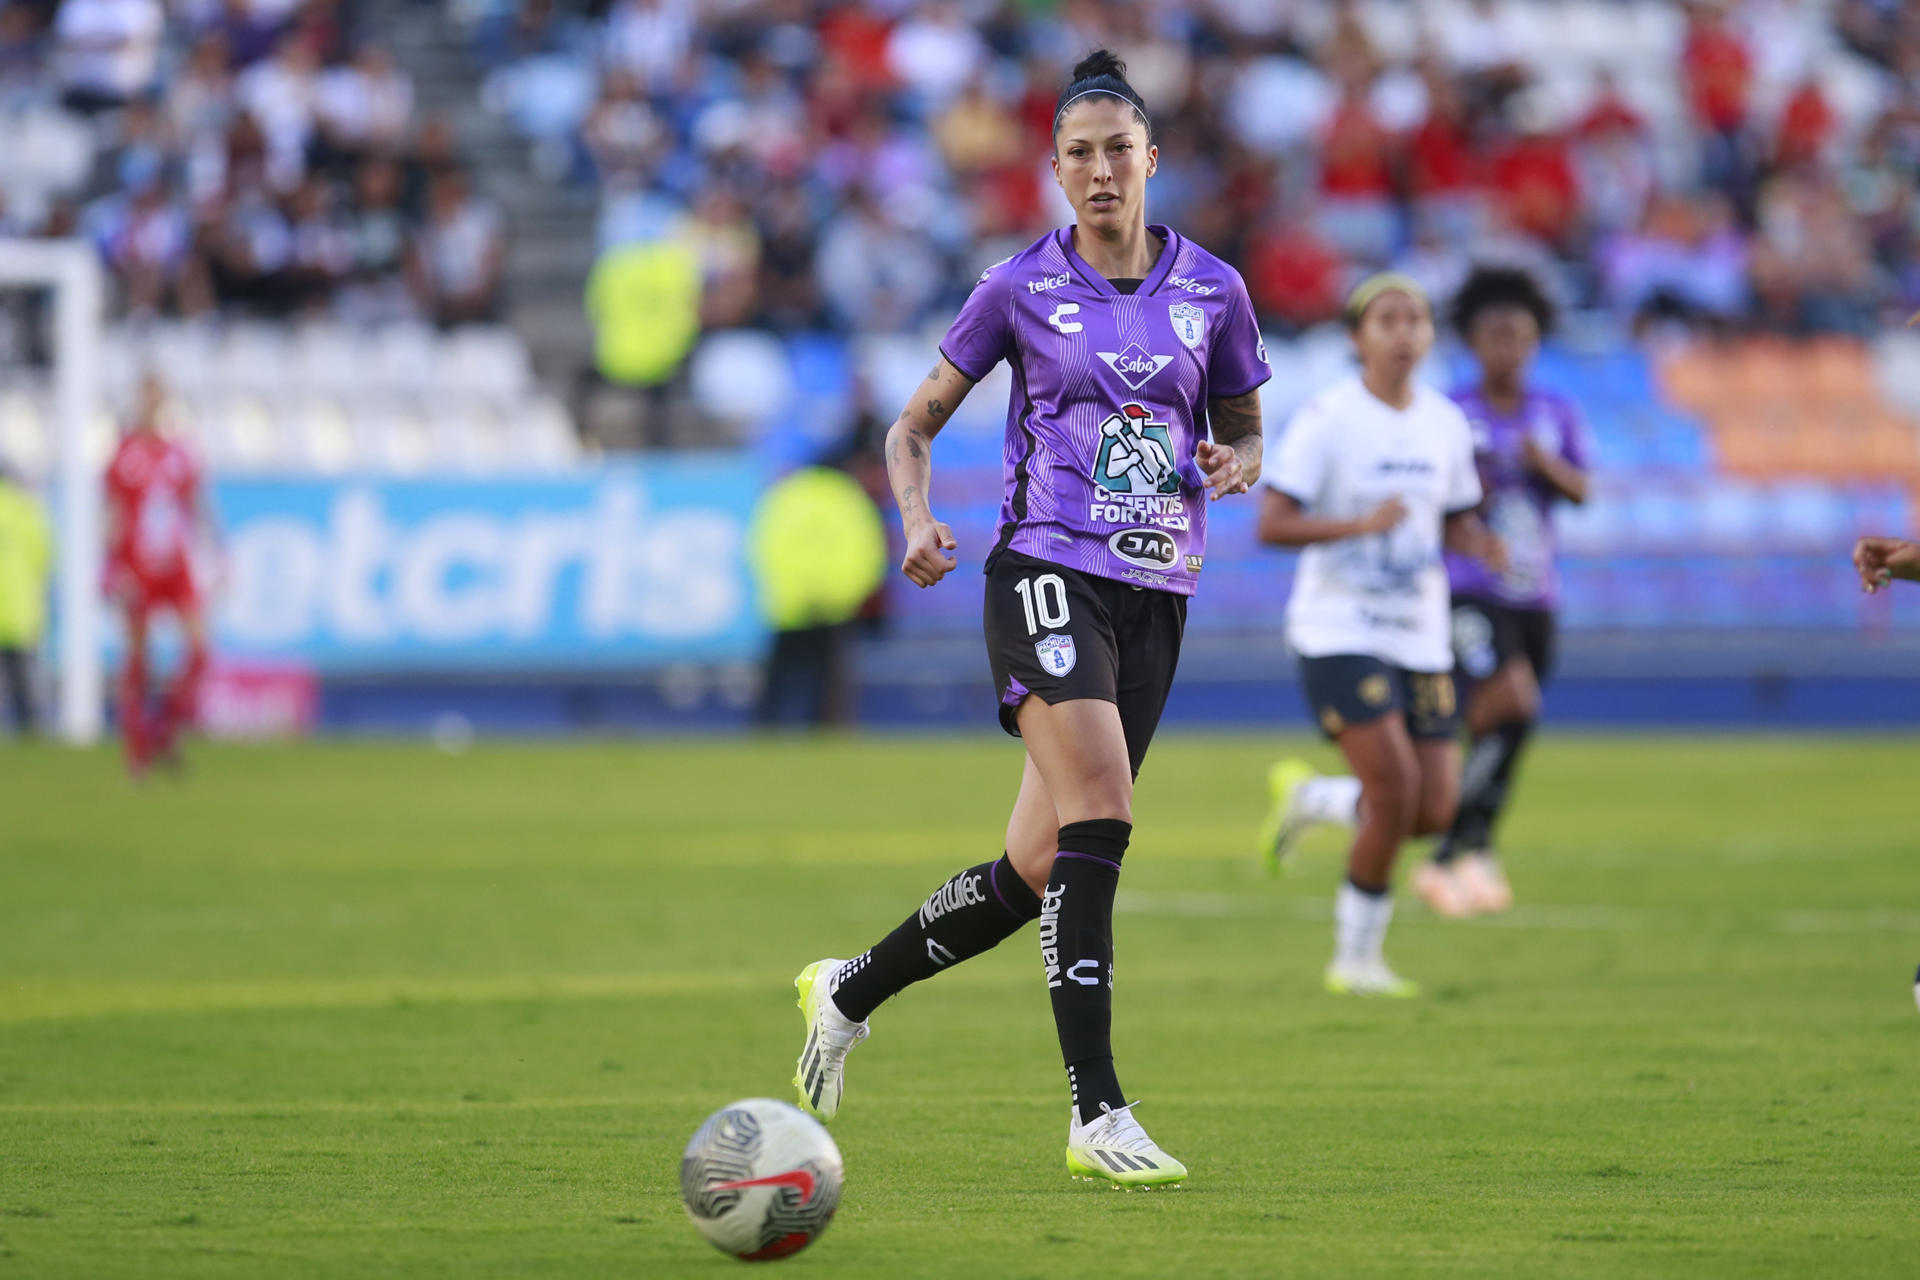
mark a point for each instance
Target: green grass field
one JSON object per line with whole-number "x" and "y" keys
{"x": 359, "y": 1010}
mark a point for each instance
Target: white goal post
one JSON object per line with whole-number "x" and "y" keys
{"x": 70, "y": 270}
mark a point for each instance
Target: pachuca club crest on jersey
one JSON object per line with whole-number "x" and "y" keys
{"x": 1136, "y": 453}
{"x": 1056, "y": 653}
{"x": 1189, "y": 324}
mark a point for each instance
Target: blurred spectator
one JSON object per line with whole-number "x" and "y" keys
{"x": 1533, "y": 177}
{"x": 1719, "y": 72}
{"x": 934, "y": 52}
{"x": 1687, "y": 262}
{"x": 459, "y": 255}
{"x": 1810, "y": 267}
{"x": 365, "y": 105}
{"x": 650, "y": 40}
{"x": 108, "y": 51}
{"x": 1356, "y": 174}
{"x": 1806, "y": 127}
{"x": 377, "y": 230}
{"x": 26, "y": 571}
{"x": 874, "y": 276}
{"x": 1613, "y": 162}
{"x": 279, "y": 93}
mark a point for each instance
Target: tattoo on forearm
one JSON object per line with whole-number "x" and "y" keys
{"x": 936, "y": 409}
{"x": 914, "y": 450}
{"x": 909, "y": 499}
{"x": 935, "y": 371}
{"x": 1235, "y": 419}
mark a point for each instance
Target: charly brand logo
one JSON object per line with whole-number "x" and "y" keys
{"x": 1056, "y": 653}
{"x": 1148, "y": 548}
{"x": 1046, "y": 284}
{"x": 1059, "y": 318}
{"x": 1136, "y": 366}
{"x": 1136, "y": 453}
{"x": 1189, "y": 324}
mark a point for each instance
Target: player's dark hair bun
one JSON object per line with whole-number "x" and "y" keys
{"x": 1101, "y": 62}
{"x": 1501, "y": 287}
{"x": 1100, "y": 72}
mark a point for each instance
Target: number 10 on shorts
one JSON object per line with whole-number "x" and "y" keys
{"x": 1044, "y": 598}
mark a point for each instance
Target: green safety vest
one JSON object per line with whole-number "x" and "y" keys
{"x": 817, "y": 549}
{"x": 644, "y": 300}
{"x": 26, "y": 560}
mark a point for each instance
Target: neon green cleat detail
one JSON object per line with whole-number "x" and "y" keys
{"x": 818, "y": 1078}
{"x": 1369, "y": 978}
{"x": 1281, "y": 830}
{"x": 1116, "y": 1149}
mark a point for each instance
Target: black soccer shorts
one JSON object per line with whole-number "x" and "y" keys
{"x": 1488, "y": 634}
{"x": 1347, "y": 689}
{"x": 1058, "y": 634}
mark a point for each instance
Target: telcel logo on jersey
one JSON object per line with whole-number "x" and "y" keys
{"x": 1148, "y": 548}
{"x": 1046, "y": 283}
{"x": 963, "y": 892}
{"x": 1193, "y": 286}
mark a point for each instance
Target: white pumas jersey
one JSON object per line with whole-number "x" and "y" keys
{"x": 1343, "y": 454}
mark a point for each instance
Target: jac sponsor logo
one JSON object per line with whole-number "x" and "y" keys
{"x": 1046, "y": 284}
{"x": 1148, "y": 548}
{"x": 1193, "y": 286}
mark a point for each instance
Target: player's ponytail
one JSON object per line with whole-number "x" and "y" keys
{"x": 1103, "y": 74}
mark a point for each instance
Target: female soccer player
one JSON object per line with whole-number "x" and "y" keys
{"x": 1373, "y": 477}
{"x": 1127, "y": 343}
{"x": 1530, "y": 450}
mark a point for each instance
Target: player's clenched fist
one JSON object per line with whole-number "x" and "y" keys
{"x": 1881, "y": 560}
{"x": 928, "y": 546}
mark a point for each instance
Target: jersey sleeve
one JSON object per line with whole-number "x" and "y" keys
{"x": 1576, "y": 443}
{"x": 1297, "y": 461}
{"x": 981, "y": 336}
{"x": 1463, "y": 478}
{"x": 1238, "y": 361}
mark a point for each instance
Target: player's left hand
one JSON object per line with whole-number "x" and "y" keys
{"x": 1221, "y": 466}
{"x": 1880, "y": 560}
{"x": 1492, "y": 552}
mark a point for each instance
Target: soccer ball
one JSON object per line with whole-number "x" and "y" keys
{"x": 761, "y": 1179}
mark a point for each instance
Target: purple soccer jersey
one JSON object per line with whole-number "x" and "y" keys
{"x": 1109, "y": 399}
{"x": 1519, "y": 504}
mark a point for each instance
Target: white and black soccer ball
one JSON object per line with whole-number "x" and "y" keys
{"x": 761, "y": 1179}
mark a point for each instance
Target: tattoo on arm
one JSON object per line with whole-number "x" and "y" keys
{"x": 914, "y": 450}
{"x": 936, "y": 409}
{"x": 909, "y": 500}
{"x": 1235, "y": 418}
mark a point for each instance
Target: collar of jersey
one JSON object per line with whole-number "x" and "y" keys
{"x": 1100, "y": 284}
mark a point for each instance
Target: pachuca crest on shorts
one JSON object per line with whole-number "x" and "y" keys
{"x": 1109, "y": 401}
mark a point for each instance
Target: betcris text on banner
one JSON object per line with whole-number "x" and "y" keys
{"x": 618, "y": 566}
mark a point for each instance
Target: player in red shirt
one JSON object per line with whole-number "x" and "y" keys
{"x": 155, "y": 506}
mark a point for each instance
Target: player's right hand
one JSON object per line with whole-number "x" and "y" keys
{"x": 928, "y": 561}
{"x": 1880, "y": 560}
{"x": 1384, "y": 517}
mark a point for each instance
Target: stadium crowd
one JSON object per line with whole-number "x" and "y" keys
{"x": 851, "y": 165}
{"x": 259, "y": 156}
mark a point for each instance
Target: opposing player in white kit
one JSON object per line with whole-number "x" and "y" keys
{"x": 1374, "y": 477}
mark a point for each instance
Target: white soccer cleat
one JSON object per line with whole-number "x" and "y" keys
{"x": 1441, "y": 887}
{"x": 1114, "y": 1148}
{"x": 817, "y": 1080}
{"x": 1283, "y": 827}
{"x": 1368, "y": 978}
{"x": 1483, "y": 882}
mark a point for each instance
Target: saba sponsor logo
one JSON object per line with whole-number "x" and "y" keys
{"x": 960, "y": 892}
{"x": 1136, "y": 365}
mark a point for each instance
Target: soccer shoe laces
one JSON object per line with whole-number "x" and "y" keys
{"x": 1118, "y": 1129}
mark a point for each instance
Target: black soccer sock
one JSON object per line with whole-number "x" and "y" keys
{"x": 1076, "y": 945}
{"x": 975, "y": 911}
{"x": 1483, "y": 788}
